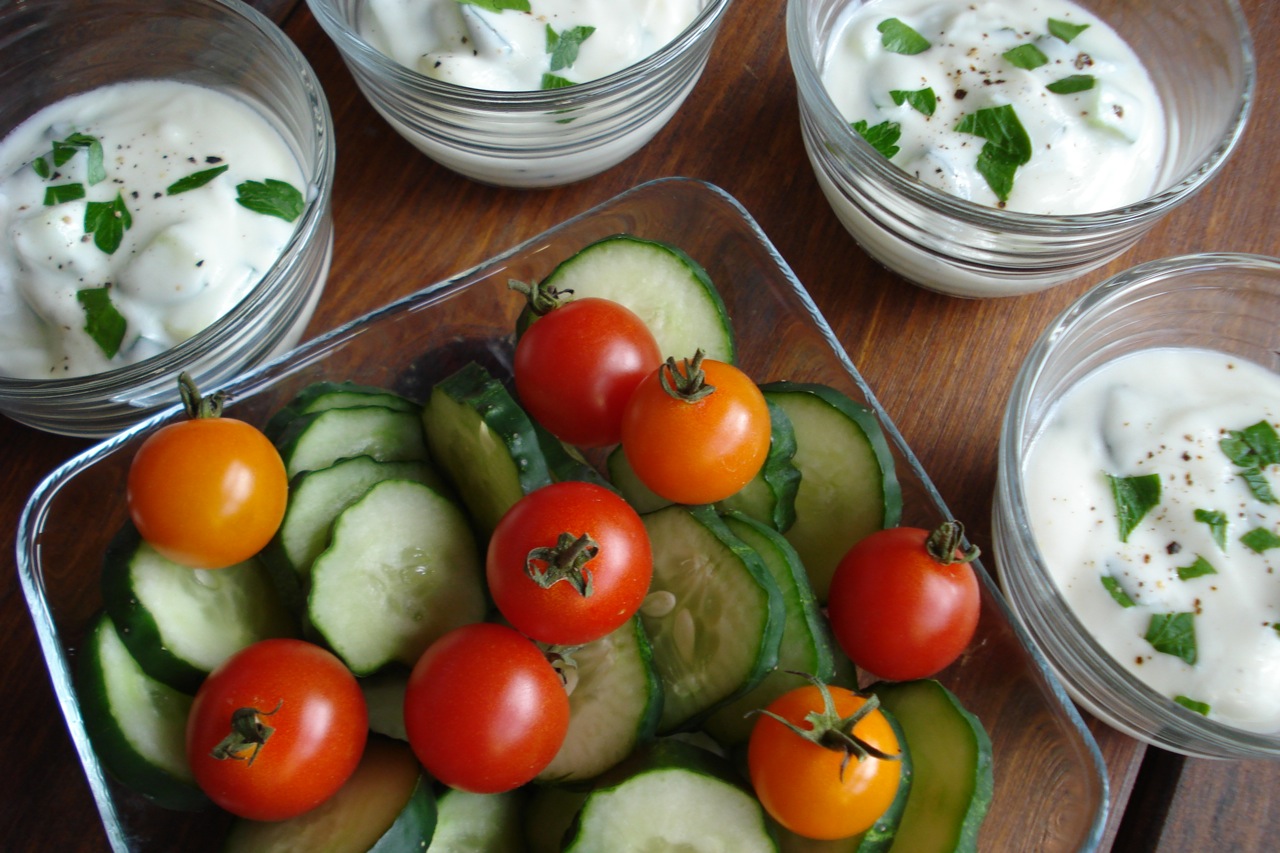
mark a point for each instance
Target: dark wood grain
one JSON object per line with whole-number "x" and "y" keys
{"x": 942, "y": 367}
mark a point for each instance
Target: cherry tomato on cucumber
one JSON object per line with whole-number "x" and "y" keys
{"x": 276, "y": 729}
{"x": 696, "y": 432}
{"x": 904, "y": 602}
{"x": 569, "y": 563}
{"x": 576, "y": 367}
{"x": 484, "y": 710}
{"x": 207, "y": 492}
{"x": 824, "y": 761}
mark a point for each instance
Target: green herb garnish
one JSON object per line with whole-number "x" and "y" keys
{"x": 1117, "y": 592}
{"x": 1026, "y": 56}
{"x": 195, "y": 180}
{"x": 1199, "y": 568}
{"x": 563, "y": 46}
{"x": 1173, "y": 634}
{"x": 1065, "y": 30}
{"x": 555, "y": 81}
{"x": 497, "y": 5}
{"x": 1260, "y": 539}
{"x": 107, "y": 221}
{"x": 102, "y": 321}
{"x": 64, "y": 150}
{"x": 898, "y": 37}
{"x": 1072, "y": 84}
{"x": 41, "y": 167}
{"x": 1254, "y": 448}
{"x": 883, "y": 136}
{"x": 63, "y": 192}
{"x": 1007, "y": 146}
{"x": 923, "y": 101}
{"x": 1192, "y": 704}
{"x": 271, "y": 198}
{"x": 1134, "y": 498}
{"x": 1217, "y": 522}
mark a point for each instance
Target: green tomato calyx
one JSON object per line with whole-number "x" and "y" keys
{"x": 565, "y": 561}
{"x": 946, "y": 544}
{"x": 687, "y": 380}
{"x": 542, "y": 298}
{"x": 247, "y": 732}
{"x": 197, "y": 406}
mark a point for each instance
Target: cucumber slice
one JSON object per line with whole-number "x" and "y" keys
{"x": 479, "y": 823}
{"x": 178, "y": 622}
{"x": 549, "y": 811}
{"x": 565, "y": 462}
{"x": 672, "y": 796}
{"x": 615, "y": 703}
{"x": 952, "y": 778}
{"x": 384, "y": 700}
{"x": 848, "y": 483}
{"x": 806, "y": 642}
{"x": 713, "y": 614}
{"x": 320, "y": 396}
{"x": 669, "y": 290}
{"x": 483, "y": 443}
{"x": 136, "y": 724}
{"x": 385, "y": 807}
{"x": 402, "y": 570}
{"x": 319, "y": 439}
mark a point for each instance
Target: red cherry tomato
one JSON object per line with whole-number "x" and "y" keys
{"x": 577, "y": 365}
{"x": 904, "y": 602}
{"x": 568, "y": 563}
{"x": 276, "y": 729}
{"x": 484, "y": 710}
{"x": 696, "y": 434}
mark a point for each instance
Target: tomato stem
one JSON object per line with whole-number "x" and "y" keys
{"x": 946, "y": 544}
{"x": 196, "y": 405}
{"x": 565, "y": 561}
{"x": 246, "y": 731}
{"x": 542, "y": 298}
{"x": 689, "y": 385}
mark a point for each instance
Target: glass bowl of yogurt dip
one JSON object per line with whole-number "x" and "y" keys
{"x": 1136, "y": 524}
{"x": 165, "y": 181}
{"x": 999, "y": 147}
{"x": 526, "y": 93}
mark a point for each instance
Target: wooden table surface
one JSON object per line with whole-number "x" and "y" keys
{"x": 942, "y": 367}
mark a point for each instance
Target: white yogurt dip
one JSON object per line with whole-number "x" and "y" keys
{"x": 552, "y": 44}
{"x": 1189, "y": 602}
{"x": 938, "y": 79}
{"x": 127, "y": 226}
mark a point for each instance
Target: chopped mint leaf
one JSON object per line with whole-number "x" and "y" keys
{"x": 1065, "y": 30}
{"x": 1260, "y": 539}
{"x": 1199, "y": 568}
{"x": 195, "y": 180}
{"x": 1254, "y": 448}
{"x": 1134, "y": 498}
{"x": 271, "y": 198}
{"x": 102, "y": 321}
{"x": 107, "y": 221}
{"x": 1217, "y": 522}
{"x": 1007, "y": 146}
{"x": 898, "y": 37}
{"x": 63, "y": 192}
{"x": 1173, "y": 634}
{"x": 65, "y": 149}
{"x": 563, "y": 46}
{"x": 41, "y": 167}
{"x": 498, "y": 5}
{"x": 555, "y": 81}
{"x": 1026, "y": 56}
{"x": 1117, "y": 592}
{"x": 1071, "y": 84}
{"x": 1192, "y": 704}
{"x": 1276, "y": 627}
{"x": 883, "y": 136}
{"x": 923, "y": 101}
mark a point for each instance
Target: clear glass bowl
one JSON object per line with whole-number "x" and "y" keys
{"x": 1224, "y": 302}
{"x": 57, "y": 48}
{"x": 526, "y": 139}
{"x": 1200, "y": 57}
{"x": 1050, "y": 783}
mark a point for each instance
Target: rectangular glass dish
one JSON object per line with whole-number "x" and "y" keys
{"x": 1050, "y": 781}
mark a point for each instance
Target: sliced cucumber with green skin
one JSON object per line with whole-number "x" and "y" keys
{"x": 386, "y": 806}
{"x": 384, "y": 700}
{"x": 671, "y": 796}
{"x": 137, "y": 725}
{"x": 479, "y": 823}
{"x": 180, "y": 623}
{"x": 564, "y": 462}
{"x": 848, "y": 482}
{"x": 952, "y": 779}
{"x": 403, "y": 568}
{"x": 669, "y": 290}
{"x": 615, "y": 702}
{"x": 483, "y": 443}
{"x": 713, "y": 614}
{"x": 548, "y": 813}
{"x": 323, "y": 395}
{"x": 319, "y": 439}
{"x": 805, "y": 647}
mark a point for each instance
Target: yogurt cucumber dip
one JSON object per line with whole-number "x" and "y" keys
{"x": 1154, "y": 495}
{"x": 522, "y": 45}
{"x": 1038, "y": 107}
{"x": 132, "y": 217}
